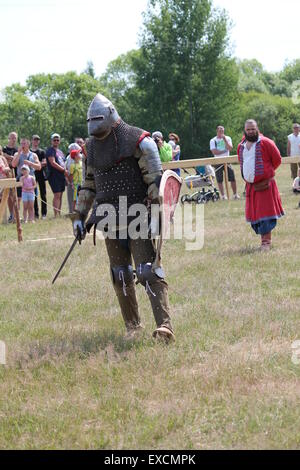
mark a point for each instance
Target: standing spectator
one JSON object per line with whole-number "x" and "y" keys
{"x": 25, "y": 157}
{"x": 11, "y": 148}
{"x": 8, "y": 152}
{"x": 70, "y": 188}
{"x": 76, "y": 174}
{"x": 80, "y": 141}
{"x": 221, "y": 146}
{"x": 39, "y": 176}
{"x": 57, "y": 172}
{"x": 164, "y": 149}
{"x": 28, "y": 196}
{"x": 293, "y": 148}
{"x": 259, "y": 158}
{"x": 174, "y": 142}
{"x": 4, "y": 168}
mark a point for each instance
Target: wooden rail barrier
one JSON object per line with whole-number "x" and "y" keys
{"x": 182, "y": 164}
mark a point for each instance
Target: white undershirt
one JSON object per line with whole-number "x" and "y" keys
{"x": 249, "y": 163}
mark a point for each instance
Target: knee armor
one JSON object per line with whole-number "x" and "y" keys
{"x": 122, "y": 276}
{"x": 146, "y": 276}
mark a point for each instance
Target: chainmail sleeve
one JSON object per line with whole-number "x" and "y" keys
{"x": 150, "y": 165}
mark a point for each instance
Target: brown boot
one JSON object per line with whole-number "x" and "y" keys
{"x": 266, "y": 242}
{"x": 162, "y": 333}
{"x": 134, "y": 333}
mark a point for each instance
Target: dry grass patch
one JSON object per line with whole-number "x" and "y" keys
{"x": 71, "y": 381}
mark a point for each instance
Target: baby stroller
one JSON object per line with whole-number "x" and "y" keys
{"x": 204, "y": 179}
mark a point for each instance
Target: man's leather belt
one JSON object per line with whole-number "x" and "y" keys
{"x": 262, "y": 185}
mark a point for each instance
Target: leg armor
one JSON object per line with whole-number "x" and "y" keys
{"x": 157, "y": 288}
{"x": 123, "y": 282}
{"x": 122, "y": 276}
{"x": 146, "y": 276}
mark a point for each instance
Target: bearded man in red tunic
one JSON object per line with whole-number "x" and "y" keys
{"x": 259, "y": 158}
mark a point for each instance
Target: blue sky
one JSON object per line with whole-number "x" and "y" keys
{"x": 61, "y": 35}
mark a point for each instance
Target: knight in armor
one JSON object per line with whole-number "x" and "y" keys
{"x": 123, "y": 161}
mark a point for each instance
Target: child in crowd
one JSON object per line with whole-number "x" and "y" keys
{"x": 76, "y": 173}
{"x": 28, "y": 187}
{"x": 296, "y": 184}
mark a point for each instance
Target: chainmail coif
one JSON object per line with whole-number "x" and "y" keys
{"x": 119, "y": 144}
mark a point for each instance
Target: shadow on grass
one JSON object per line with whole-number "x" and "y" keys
{"x": 248, "y": 250}
{"x": 112, "y": 347}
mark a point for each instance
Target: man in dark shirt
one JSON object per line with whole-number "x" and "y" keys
{"x": 39, "y": 176}
{"x": 9, "y": 151}
{"x": 57, "y": 172}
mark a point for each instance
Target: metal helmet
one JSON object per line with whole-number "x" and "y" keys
{"x": 101, "y": 116}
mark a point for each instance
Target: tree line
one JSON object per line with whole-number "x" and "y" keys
{"x": 182, "y": 78}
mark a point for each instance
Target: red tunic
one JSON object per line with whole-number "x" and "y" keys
{"x": 263, "y": 205}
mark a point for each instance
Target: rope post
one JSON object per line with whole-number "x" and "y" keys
{"x": 7, "y": 184}
{"x": 17, "y": 216}
{"x": 5, "y": 195}
{"x": 226, "y": 179}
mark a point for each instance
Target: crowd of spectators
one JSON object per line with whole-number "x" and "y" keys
{"x": 66, "y": 172}
{"x": 33, "y": 166}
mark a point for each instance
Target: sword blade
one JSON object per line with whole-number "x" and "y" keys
{"x": 65, "y": 260}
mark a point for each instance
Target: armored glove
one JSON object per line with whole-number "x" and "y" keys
{"x": 79, "y": 230}
{"x": 153, "y": 190}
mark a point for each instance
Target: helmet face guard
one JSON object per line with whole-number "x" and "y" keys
{"x": 101, "y": 116}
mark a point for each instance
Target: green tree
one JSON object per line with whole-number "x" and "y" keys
{"x": 90, "y": 69}
{"x": 68, "y": 97}
{"x": 119, "y": 80}
{"x": 250, "y": 76}
{"x": 17, "y": 111}
{"x": 253, "y": 77}
{"x": 185, "y": 79}
{"x": 291, "y": 71}
{"x": 48, "y": 103}
{"x": 274, "y": 115}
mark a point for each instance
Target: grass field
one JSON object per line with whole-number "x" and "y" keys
{"x": 71, "y": 381}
